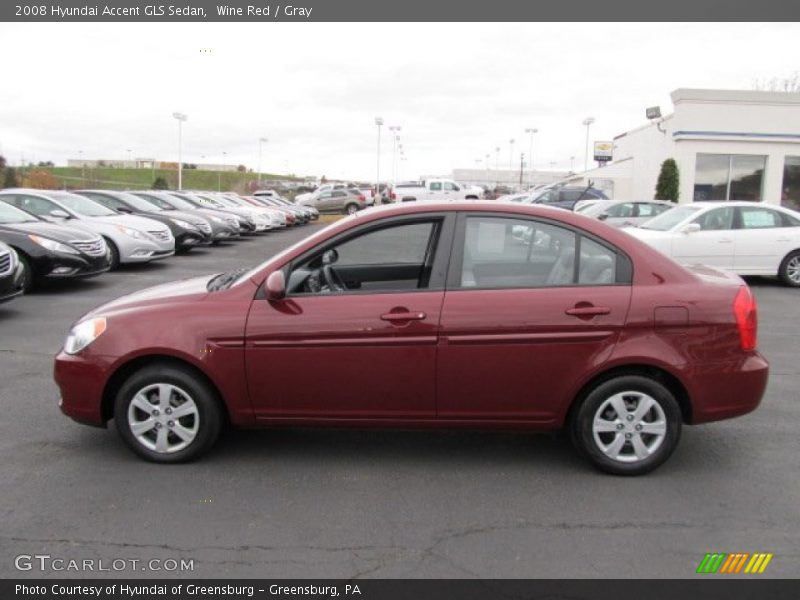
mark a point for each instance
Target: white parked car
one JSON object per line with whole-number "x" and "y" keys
{"x": 623, "y": 213}
{"x": 744, "y": 237}
{"x": 437, "y": 189}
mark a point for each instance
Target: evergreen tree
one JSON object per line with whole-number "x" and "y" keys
{"x": 668, "y": 184}
{"x": 160, "y": 184}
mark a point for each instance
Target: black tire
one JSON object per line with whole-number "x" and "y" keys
{"x": 208, "y": 412}
{"x": 28, "y": 277}
{"x": 351, "y": 209}
{"x": 583, "y": 435}
{"x": 113, "y": 255}
{"x": 789, "y": 271}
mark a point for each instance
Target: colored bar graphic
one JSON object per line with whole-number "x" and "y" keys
{"x": 724, "y": 563}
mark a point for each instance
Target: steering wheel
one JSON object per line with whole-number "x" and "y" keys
{"x": 332, "y": 279}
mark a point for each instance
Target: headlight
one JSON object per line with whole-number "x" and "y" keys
{"x": 134, "y": 233}
{"x": 216, "y": 219}
{"x": 52, "y": 245}
{"x": 184, "y": 224}
{"x": 84, "y": 334}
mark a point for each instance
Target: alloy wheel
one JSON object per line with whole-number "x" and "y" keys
{"x": 163, "y": 418}
{"x": 629, "y": 426}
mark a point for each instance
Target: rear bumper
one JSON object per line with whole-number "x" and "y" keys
{"x": 729, "y": 389}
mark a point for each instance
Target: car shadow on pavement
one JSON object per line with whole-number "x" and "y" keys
{"x": 418, "y": 447}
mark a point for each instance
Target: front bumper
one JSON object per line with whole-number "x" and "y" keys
{"x": 69, "y": 266}
{"x": 81, "y": 382}
{"x": 11, "y": 285}
{"x": 191, "y": 239}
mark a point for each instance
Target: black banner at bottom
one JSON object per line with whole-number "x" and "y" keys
{"x": 718, "y": 588}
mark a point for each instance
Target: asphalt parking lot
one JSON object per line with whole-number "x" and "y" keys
{"x": 346, "y": 504}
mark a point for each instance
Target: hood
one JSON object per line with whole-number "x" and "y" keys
{"x": 60, "y": 233}
{"x": 647, "y": 234}
{"x": 140, "y": 223}
{"x": 185, "y": 288}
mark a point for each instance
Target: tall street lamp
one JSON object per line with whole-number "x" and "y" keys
{"x": 511, "y": 154}
{"x": 129, "y": 155}
{"x": 261, "y": 142}
{"x": 180, "y": 117}
{"x": 379, "y": 123}
{"x": 395, "y": 139}
{"x": 486, "y": 165}
{"x": 532, "y": 131}
{"x": 588, "y": 122}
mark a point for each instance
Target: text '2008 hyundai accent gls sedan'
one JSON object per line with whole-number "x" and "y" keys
{"x": 429, "y": 315}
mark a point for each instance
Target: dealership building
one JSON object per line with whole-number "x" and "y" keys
{"x": 728, "y": 144}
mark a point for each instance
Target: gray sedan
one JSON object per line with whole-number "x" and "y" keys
{"x": 130, "y": 239}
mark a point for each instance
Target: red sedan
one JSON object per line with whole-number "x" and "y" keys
{"x": 466, "y": 314}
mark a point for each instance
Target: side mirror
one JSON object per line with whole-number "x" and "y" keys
{"x": 59, "y": 214}
{"x": 276, "y": 285}
{"x": 602, "y": 216}
{"x": 125, "y": 209}
{"x": 691, "y": 228}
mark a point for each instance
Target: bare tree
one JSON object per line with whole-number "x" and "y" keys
{"x": 790, "y": 84}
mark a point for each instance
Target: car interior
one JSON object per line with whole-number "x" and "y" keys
{"x": 509, "y": 253}
{"x": 394, "y": 258}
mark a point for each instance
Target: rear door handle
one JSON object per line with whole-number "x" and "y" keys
{"x": 403, "y": 316}
{"x": 588, "y": 311}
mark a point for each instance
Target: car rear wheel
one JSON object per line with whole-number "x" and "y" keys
{"x": 166, "y": 414}
{"x": 113, "y": 254}
{"x": 789, "y": 271}
{"x": 628, "y": 425}
{"x": 351, "y": 209}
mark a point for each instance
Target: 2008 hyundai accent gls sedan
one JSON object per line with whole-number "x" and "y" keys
{"x": 428, "y": 315}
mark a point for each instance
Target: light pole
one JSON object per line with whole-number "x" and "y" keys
{"x": 83, "y": 167}
{"x": 572, "y": 164}
{"x": 511, "y": 154}
{"x": 532, "y": 131}
{"x": 129, "y": 155}
{"x": 588, "y": 122}
{"x": 395, "y": 139}
{"x": 261, "y": 142}
{"x": 379, "y": 123}
{"x": 180, "y": 117}
{"x": 486, "y": 164}
{"x": 496, "y": 165}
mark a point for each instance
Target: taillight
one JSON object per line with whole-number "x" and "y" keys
{"x": 362, "y": 198}
{"x": 746, "y": 313}
{"x": 393, "y": 196}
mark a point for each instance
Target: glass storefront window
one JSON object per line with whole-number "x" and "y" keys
{"x": 790, "y": 190}
{"x": 729, "y": 177}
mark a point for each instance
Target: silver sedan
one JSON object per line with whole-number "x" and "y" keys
{"x": 130, "y": 239}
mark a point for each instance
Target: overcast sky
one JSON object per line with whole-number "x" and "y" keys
{"x": 314, "y": 89}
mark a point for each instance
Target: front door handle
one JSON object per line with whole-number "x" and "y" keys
{"x": 394, "y": 317}
{"x": 588, "y": 311}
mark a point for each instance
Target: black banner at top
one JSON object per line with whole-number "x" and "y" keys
{"x": 269, "y": 11}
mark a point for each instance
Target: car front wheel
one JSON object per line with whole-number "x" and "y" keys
{"x": 628, "y": 425}
{"x": 167, "y": 414}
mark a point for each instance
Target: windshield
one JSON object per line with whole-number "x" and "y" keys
{"x": 594, "y": 208}
{"x": 81, "y": 205}
{"x": 667, "y": 220}
{"x": 139, "y": 203}
{"x": 207, "y": 200}
{"x": 10, "y": 214}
